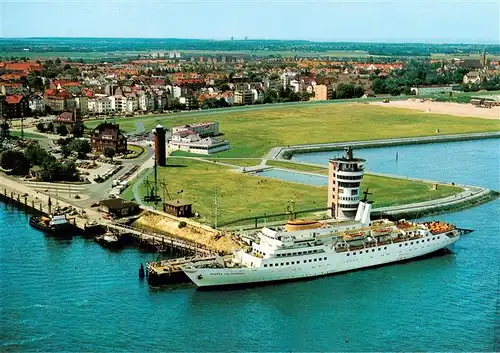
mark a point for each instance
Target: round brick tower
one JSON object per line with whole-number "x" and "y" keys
{"x": 160, "y": 145}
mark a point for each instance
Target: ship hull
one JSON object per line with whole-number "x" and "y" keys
{"x": 330, "y": 263}
{"x": 62, "y": 230}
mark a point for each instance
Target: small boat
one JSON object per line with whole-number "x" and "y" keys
{"x": 109, "y": 240}
{"x": 54, "y": 224}
{"x": 93, "y": 228}
{"x": 300, "y": 224}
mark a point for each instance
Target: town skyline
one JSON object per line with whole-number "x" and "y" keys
{"x": 379, "y": 21}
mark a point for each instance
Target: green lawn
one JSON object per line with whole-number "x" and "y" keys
{"x": 29, "y": 135}
{"x": 242, "y": 195}
{"x": 298, "y": 166}
{"x": 253, "y": 132}
{"x": 135, "y": 151}
{"x": 240, "y": 162}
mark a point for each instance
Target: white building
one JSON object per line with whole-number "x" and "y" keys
{"x": 190, "y": 141}
{"x": 472, "y": 77}
{"x": 176, "y": 91}
{"x": 286, "y": 78}
{"x": 297, "y": 86}
{"x": 37, "y": 103}
{"x": 141, "y": 101}
{"x": 204, "y": 129}
{"x": 132, "y": 104}
{"x": 101, "y": 104}
{"x": 120, "y": 103}
{"x": 425, "y": 90}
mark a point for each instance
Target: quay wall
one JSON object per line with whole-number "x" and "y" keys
{"x": 289, "y": 151}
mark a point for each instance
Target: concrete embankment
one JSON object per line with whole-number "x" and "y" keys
{"x": 288, "y": 151}
{"x": 32, "y": 200}
{"x": 457, "y": 202}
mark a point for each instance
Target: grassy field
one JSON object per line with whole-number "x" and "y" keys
{"x": 241, "y": 195}
{"x": 186, "y": 53}
{"x": 134, "y": 152}
{"x": 253, "y": 132}
{"x": 298, "y": 167}
{"x": 73, "y": 55}
{"x": 29, "y": 135}
{"x": 240, "y": 162}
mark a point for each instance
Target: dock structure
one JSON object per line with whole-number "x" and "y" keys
{"x": 31, "y": 200}
{"x": 162, "y": 241}
{"x": 168, "y": 272}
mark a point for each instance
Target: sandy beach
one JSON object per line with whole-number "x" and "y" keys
{"x": 444, "y": 108}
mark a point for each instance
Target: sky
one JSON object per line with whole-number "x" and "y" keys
{"x": 442, "y": 21}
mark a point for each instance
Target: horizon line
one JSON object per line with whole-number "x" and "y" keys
{"x": 375, "y": 41}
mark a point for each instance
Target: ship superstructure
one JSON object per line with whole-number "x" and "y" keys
{"x": 349, "y": 241}
{"x": 280, "y": 255}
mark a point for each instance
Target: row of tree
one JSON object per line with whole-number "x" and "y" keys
{"x": 20, "y": 163}
{"x": 423, "y": 73}
{"x": 76, "y": 130}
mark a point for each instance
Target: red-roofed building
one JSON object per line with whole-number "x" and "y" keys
{"x": 15, "y": 106}
{"x": 69, "y": 119}
{"x": 23, "y": 67}
{"x": 59, "y": 100}
{"x": 63, "y": 84}
{"x": 108, "y": 135}
{"x": 13, "y": 76}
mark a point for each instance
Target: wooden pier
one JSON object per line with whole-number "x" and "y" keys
{"x": 25, "y": 198}
{"x": 37, "y": 203}
{"x": 161, "y": 242}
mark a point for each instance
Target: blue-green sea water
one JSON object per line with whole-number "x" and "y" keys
{"x": 72, "y": 295}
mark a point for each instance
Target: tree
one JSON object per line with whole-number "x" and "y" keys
{"x": 61, "y": 130}
{"x": 66, "y": 150}
{"x": 4, "y": 130}
{"x": 224, "y": 87}
{"x": 15, "y": 160}
{"x": 58, "y": 61}
{"x": 35, "y": 154}
{"x": 81, "y": 147}
{"x": 50, "y": 128}
{"x": 109, "y": 152}
{"x": 40, "y": 127}
{"x": 78, "y": 129}
{"x": 270, "y": 96}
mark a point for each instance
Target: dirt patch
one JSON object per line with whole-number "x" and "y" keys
{"x": 457, "y": 109}
{"x": 218, "y": 241}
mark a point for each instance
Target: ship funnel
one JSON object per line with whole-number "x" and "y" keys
{"x": 360, "y": 211}
{"x": 365, "y": 219}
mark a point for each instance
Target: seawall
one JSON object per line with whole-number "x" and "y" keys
{"x": 289, "y": 151}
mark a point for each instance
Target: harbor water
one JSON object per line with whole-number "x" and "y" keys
{"x": 72, "y": 295}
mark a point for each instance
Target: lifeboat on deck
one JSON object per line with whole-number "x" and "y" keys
{"x": 301, "y": 224}
{"x": 381, "y": 231}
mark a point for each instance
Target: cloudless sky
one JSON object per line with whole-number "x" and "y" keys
{"x": 445, "y": 21}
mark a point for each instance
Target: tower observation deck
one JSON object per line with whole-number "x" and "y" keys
{"x": 344, "y": 179}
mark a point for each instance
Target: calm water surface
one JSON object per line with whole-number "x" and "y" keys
{"x": 72, "y": 295}
{"x": 474, "y": 162}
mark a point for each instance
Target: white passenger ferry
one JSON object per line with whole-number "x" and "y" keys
{"x": 281, "y": 255}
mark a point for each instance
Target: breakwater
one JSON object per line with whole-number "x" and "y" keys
{"x": 289, "y": 151}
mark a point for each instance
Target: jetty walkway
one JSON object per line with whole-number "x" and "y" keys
{"x": 161, "y": 239}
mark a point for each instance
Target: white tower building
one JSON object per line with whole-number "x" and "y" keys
{"x": 344, "y": 179}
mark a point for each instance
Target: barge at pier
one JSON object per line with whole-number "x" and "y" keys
{"x": 56, "y": 224}
{"x": 169, "y": 271}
